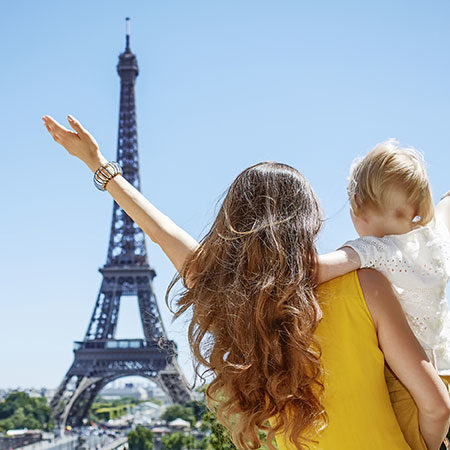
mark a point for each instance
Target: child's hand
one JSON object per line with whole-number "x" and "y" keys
{"x": 443, "y": 210}
{"x": 79, "y": 143}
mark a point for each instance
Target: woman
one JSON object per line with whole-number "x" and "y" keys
{"x": 256, "y": 317}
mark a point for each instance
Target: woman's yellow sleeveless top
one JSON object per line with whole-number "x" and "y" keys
{"x": 356, "y": 399}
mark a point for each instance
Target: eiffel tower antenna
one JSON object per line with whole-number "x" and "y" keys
{"x": 127, "y": 22}
{"x": 101, "y": 358}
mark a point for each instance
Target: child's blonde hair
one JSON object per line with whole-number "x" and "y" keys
{"x": 386, "y": 167}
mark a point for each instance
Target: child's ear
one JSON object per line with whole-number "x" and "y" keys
{"x": 355, "y": 212}
{"x": 359, "y": 213}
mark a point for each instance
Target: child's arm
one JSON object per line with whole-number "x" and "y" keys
{"x": 335, "y": 264}
{"x": 443, "y": 210}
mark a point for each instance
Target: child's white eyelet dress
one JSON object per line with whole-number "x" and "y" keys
{"x": 417, "y": 264}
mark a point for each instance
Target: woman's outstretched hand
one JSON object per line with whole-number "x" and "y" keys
{"x": 79, "y": 143}
{"x": 175, "y": 242}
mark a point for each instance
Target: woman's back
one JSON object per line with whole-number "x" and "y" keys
{"x": 356, "y": 399}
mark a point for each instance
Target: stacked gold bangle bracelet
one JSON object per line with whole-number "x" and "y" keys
{"x": 106, "y": 173}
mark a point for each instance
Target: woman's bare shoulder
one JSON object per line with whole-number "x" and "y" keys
{"x": 378, "y": 294}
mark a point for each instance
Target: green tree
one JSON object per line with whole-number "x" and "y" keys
{"x": 19, "y": 410}
{"x": 140, "y": 439}
{"x": 203, "y": 444}
{"x": 198, "y": 408}
{"x": 180, "y": 441}
{"x": 12, "y": 403}
{"x": 179, "y": 412}
{"x": 191, "y": 443}
{"x": 173, "y": 441}
{"x": 219, "y": 437}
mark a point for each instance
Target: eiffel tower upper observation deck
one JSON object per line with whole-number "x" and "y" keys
{"x": 100, "y": 358}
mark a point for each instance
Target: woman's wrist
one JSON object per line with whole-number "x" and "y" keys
{"x": 105, "y": 173}
{"x": 96, "y": 162}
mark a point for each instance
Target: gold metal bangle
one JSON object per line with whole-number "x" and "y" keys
{"x": 106, "y": 173}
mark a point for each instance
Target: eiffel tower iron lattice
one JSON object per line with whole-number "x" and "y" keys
{"x": 100, "y": 358}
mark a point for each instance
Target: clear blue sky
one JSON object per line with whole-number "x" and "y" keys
{"x": 222, "y": 85}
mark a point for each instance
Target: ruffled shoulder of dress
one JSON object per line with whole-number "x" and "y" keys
{"x": 424, "y": 232}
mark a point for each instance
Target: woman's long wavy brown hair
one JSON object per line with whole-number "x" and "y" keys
{"x": 254, "y": 308}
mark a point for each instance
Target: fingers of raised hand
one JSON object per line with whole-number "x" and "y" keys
{"x": 51, "y": 122}
{"x": 52, "y": 130}
{"x": 59, "y": 133}
{"x": 83, "y": 134}
{"x": 76, "y": 125}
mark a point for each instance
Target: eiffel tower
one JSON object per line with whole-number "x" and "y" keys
{"x": 100, "y": 358}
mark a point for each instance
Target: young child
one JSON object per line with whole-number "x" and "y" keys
{"x": 403, "y": 237}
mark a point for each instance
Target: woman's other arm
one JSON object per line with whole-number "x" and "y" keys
{"x": 406, "y": 357}
{"x": 176, "y": 243}
{"x": 335, "y": 264}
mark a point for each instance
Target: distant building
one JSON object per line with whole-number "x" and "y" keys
{"x": 180, "y": 424}
{"x": 32, "y": 392}
{"x": 129, "y": 390}
{"x": 146, "y": 413}
{"x": 156, "y": 393}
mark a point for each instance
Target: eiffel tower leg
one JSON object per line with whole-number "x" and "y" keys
{"x": 104, "y": 318}
{"x": 57, "y": 401}
{"x": 83, "y": 384}
{"x": 173, "y": 383}
{"x": 81, "y": 406}
{"x": 148, "y": 310}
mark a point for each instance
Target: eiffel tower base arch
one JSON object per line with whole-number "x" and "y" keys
{"x": 80, "y": 387}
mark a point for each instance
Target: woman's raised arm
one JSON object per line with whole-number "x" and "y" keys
{"x": 176, "y": 243}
